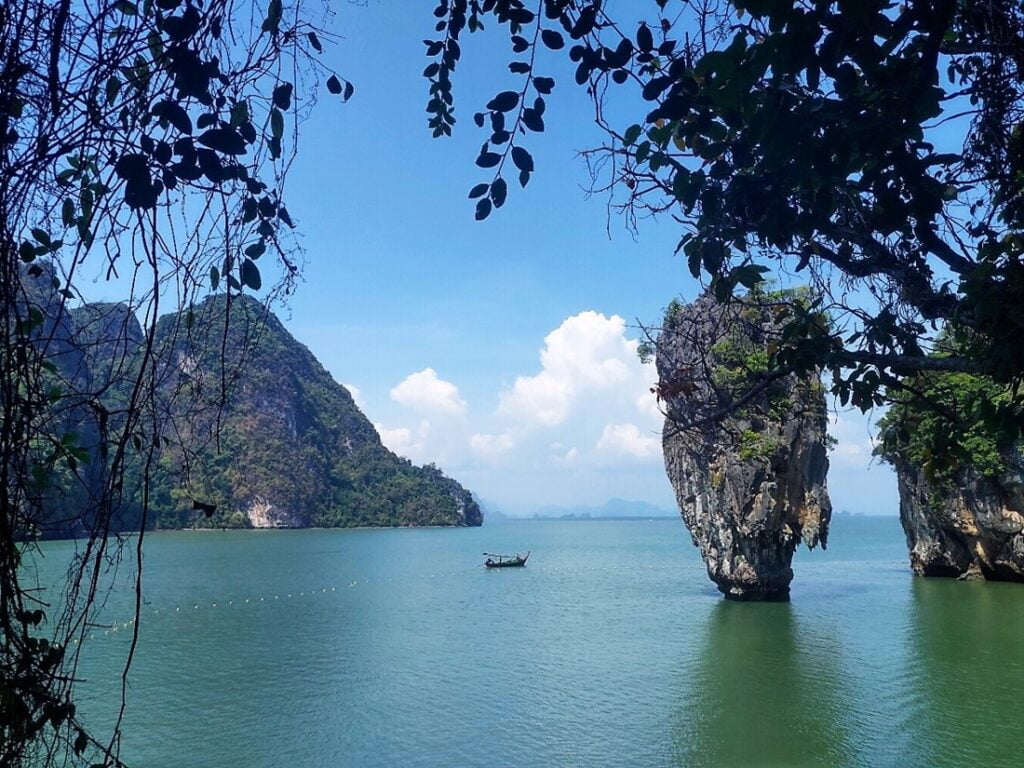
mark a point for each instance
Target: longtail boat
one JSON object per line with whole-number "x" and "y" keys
{"x": 505, "y": 561}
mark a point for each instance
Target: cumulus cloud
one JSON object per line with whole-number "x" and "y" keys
{"x": 855, "y": 443}
{"x": 490, "y": 446}
{"x": 410, "y": 443}
{"x": 583, "y": 408}
{"x": 627, "y": 440}
{"x": 425, "y": 392}
{"x": 589, "y": 352}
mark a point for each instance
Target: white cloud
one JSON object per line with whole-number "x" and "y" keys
{"x": 425, "y": 392}
{"x": 587, "y": 353}
{"x": 491, "y": 446}
{"x": 855, "y": 443}
{"x": 627, "y": 440}
{"x": 580, "y": 427}
{"x": 410, "y": 443}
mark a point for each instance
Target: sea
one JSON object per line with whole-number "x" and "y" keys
{"x": 395, "y": 648}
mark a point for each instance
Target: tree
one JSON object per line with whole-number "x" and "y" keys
{"x": 876, "y": 150}
{"x": 145, "y": 144}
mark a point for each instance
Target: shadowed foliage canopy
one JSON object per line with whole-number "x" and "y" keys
{"x": 143, "y": 146}
{"x": 877, "y": 149}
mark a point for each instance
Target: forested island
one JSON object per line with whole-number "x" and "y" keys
{"x": 255, "y": 432}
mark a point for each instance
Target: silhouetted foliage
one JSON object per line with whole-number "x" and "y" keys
{"x": 143, "y": 144}
{"x": 876, "y": 149}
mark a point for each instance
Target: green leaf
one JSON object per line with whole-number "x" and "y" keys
{"x": 214, "y": 278}
{"x": 631, "y": 135}
{"x": 239, "y": 113}
{"x": 276, "y": 124}
{"x": 283, "y": 96}
{"x": 223, "y": 140}
{"x": 251, "y": 275}
{"x": 272, "y": 23}
{"x": 42, "y": 236}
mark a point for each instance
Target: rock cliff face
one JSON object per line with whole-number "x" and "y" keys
{"x": 289, "y": 449}
{"x": 751, "y": 485}
{"x": 968, "y": 526}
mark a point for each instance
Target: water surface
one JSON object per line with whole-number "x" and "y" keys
{"x": 611, "y": 648}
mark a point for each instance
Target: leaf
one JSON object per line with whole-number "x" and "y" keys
{"x": 315, "y": 42}
{"x": 522, "y": 159}
{"x": 644, "y": 39}
{"x": 504, "y": 101}
{"x": 543, "y": 84}
{"x": 223, "y": 140}
{"x": 214, "y": 278}
{"x": 113, "y": 87}
{"x": 273, "y": 21}
{"x": 283, "y": 96}
{"x": 251, "y": 275}
{"x": 239, "y": 113}
{"x": 349, "y": 90}
{"x": 533, "y": 120}
{"x": 334, "y": 84}
{"x": 631, "y": 135}
{"x": 256, "y": 250}
{"x": 483, "y": 209}
{"x": 488, "y": 159}
{"x": 478, "y": 191}
{"x": 276, "y": 124}
{"x": 499, "y": 191}
{"x": 41, "y": 235}
{"x": 552, "y": 39}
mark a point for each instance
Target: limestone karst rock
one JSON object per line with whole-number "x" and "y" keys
{"x": 967, "y": 526}
{"x": 752, "y": 484}
{"x": 960, "y": 474}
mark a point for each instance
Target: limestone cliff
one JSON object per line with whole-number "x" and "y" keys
{"x": 290, "y": 448}
{"x": 750, "y": 483}
{"x": 967, "y": 525}
{"x": 960, "y": 472}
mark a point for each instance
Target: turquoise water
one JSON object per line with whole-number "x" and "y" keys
{"x": 611, "y": 648}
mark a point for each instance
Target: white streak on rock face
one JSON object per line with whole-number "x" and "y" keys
{"x": 263, "y": 514}
{"x": 746, "y": 509}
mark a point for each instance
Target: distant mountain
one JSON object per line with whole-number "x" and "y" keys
{"x": 290, "y": 449}
{"x": 611, "y": 508}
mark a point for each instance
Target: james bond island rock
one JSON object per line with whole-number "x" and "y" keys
{"x": 961, "y": 486}
{"x": 750, "y": 480}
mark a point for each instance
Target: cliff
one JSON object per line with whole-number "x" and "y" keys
{"x": 289, "y": 449}
{"x": 750, "y": 480}
{"x": 968, "y": 525}
{"x": 961, "y": 481}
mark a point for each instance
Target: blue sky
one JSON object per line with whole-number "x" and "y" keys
{"x": 503, "y": 350}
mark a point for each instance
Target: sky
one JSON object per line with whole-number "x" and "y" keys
{"x": 504, "y": 351}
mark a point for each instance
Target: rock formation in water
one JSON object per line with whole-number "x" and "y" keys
{"x": 969, "y": 525}
{"x": 289, "y": 449}
{"x": 961, "y": 484}
{"x": 751, "y": 485}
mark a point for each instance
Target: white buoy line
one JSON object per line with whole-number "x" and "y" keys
{"x": 117, "y": 627}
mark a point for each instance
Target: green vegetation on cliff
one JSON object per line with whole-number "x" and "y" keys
{"x": 290, "y": 449}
